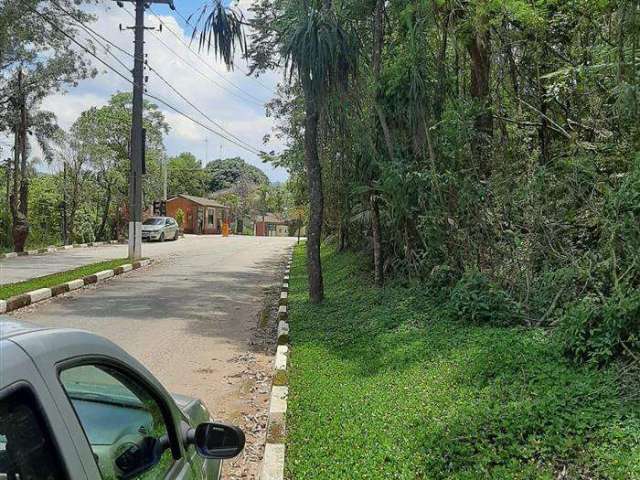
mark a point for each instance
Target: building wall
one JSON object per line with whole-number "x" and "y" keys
{"x": 266, "y": 229}
{"x": 212, "y": 217}
{"x": 179, "y": 203}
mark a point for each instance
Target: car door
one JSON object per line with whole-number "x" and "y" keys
{"x": 125, "y": 422}
{"x": 169, "y": 231}
{"x": 34, "y": 440}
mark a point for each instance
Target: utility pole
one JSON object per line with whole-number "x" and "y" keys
{"x": 164, "y": 176}
{"x": 137, "y": 135}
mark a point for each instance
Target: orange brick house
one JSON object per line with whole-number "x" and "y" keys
{"x": 201, "y": 215}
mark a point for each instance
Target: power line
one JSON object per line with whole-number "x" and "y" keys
{"x": 249, "y": 97}
{"x": 196, "y": 108}
{"x": 188, "y": 46}
{"x": 174, "y": 89}
{"x": 269, "y": 89}
{"x": 253, "y": 150}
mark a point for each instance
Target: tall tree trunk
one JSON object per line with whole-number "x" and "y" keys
{"x": 480, "y": 52}
{"x": 314, "y": 175}
{"x": 105, "y": 214}
{"x": 19, "y": 197}
{"x": 376, "y": 61}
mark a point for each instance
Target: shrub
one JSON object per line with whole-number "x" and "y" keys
{"x": 598, "y": 331}
{"x": 477, "y": 299}
{"x": 180, "y": 218}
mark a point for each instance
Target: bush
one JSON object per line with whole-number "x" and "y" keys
{"x": 477, "y": 299}
{"x": 598, "y": 331}
{"x": 180, "y": 218}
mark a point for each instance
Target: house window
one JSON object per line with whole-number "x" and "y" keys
{"x": 210, "y": 216}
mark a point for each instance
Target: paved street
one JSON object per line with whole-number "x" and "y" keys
{"x": 18, "y": 269}
{"x": 191, "y": 318}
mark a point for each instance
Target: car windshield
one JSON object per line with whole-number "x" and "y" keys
{"x": 153, "y": 221}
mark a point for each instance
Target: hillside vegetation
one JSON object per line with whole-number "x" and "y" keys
{"x": 398, "y": 383}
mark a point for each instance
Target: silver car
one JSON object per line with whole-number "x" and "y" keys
{"x": 160, "y": 229}
{"x": 73, "y": 405}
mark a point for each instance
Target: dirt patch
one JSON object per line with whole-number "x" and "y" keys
{"x": 254, "y": 389}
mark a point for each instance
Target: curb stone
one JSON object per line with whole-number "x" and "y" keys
{"x": 20, "y": 301}
{"x": 275, "y": 448}
{"x": 56, "y": 248}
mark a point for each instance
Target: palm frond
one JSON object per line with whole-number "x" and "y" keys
{"x": 319, "y": 50}
{"x": 220, "y": 29}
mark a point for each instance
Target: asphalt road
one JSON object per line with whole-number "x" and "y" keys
{"x": 18, "y": 269}
{"x": 191, "y": 318}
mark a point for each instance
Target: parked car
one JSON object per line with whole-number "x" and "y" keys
{"x": 160, "y": 228}
{"x": 73, "y": 405}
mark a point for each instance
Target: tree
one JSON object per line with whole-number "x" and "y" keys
{"x": 225, "y": 173}
{"x": 185, "y": 175}
{"x": 103, "y": 135}
{"x": 320, "y": 55}
{"x": 37, "y": 57}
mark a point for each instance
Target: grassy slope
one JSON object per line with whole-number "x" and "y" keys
{"x": 11, "y": 289}
{"x": 382, "y": 387}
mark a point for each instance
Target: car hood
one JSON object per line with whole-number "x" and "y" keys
{"x": 152, "y": 228}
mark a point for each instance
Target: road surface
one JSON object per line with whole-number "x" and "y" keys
{"x": 18, "y": 269}
{"x": 195, "y": 319}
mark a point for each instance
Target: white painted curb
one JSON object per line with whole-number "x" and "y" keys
{"x": 104, "y": 274}
{"x": 57, "y": 248}
{"x": 75, "y": 284}
{"x": 273, "y": 462}
{"x": 275, "y": 448}
{"x": 35, "y": 296}
{"x": 40, "y": 294}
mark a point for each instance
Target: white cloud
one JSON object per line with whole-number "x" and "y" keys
{"x": 230, "y": 98}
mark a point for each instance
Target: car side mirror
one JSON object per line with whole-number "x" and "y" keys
{"x": 216, "y": 440}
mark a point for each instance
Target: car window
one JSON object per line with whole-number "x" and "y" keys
{"x": 122, "y": 421}
{"x": 153, "y": 221}
{"x": 26, "y": 447}
{"x": 168, "y": 222}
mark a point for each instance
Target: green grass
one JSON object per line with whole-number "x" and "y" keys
{"x": 382, "y": 385}
{"x": 12, "y": 289}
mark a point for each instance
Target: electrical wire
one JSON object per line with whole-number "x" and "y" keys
{"x": 250, "y": 149}
{"x": 257, "y": 102}
{"x": 173, "y": 88}
{"x": 196, "y": 54}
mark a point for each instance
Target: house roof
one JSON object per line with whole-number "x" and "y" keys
{"x": 204, "y": 202}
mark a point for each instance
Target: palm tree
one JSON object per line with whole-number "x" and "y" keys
{"x": 323, "y": 56}
{"x": 220, "y": 29}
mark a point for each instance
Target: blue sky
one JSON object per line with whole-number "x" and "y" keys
{"x": 232, "y": 99}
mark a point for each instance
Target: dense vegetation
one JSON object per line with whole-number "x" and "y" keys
{"x": 492, "y": 147}
{"x": 397, "y": 383}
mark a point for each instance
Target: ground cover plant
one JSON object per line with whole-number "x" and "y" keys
{"x": 394, "y": 383}
{"x": 47, "y": 281}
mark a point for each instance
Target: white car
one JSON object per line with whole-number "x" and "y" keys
{"x": 74, "y": 406}
{"x": 160, "y": 229}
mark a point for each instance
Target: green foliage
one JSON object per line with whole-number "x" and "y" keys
{"x": 226, "y": 172}
{"x": 180, "y": 217}
{"x": 185, "y": 175}
{"x": 478, "y": 300}
{"x": 383, "y": 385}
{"x": 599, "y": 330}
